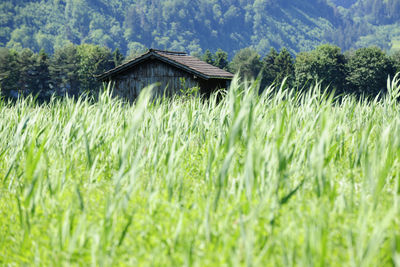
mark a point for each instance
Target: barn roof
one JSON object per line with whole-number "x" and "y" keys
{"x": 180, "y": 60}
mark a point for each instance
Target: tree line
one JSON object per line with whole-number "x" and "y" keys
{"x": 72, "y": 69}
{"x": 363, "y": 71}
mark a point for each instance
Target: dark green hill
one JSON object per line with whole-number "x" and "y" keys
{"x": 195, "y": 25}
{"x": 174, "y": 24}
{"x": 343, "y": 3}
{"x": 373, "y": 22}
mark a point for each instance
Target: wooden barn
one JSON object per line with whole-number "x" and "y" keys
{"x": 171, "y": 71}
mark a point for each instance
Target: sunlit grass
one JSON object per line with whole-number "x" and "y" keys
{"x": 280, "y": 179}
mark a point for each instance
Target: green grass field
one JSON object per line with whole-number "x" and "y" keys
{"x": 279, "y": 179}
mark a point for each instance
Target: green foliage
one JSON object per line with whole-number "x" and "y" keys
{"x": 276, "y": 67}
{"x": 221, "y": 59}
{"x": 70, "y": 70}
{"x": 74, "y": 68}
{"x": 24, "y": 73}
{"x": 378, "y": 12}
{"x": 93, "y": 60}
{"x": 349, "y": 34}
{"x": 64, "y": 69}
{"x": 344, "y": 3}
{"x": 368, "y": 70}
{"x": 9, "y": 70}
{"x": 273, "y": 180}
{"x": 395, "y": 57}
{"x": 208, "y": 57}
{"x": 135, "y": 49}
{"x": 174, "y": 24}
{"x": 187, "y": 92}
{"x": 367, "y": 23}
{"x": 247, "y": 63}
{"x": 42, "y": 75}
{"x": 325, "y": 64}
{"x": 269, "y": 70}
{"x": 118, "y": 57}
{"x": 34, "y": 76}
{"x": 194, "y": 26}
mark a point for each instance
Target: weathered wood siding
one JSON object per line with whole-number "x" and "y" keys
{"x": 170, "y": 79}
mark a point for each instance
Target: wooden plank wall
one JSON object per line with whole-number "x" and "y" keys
{"x": 169, "y": 79}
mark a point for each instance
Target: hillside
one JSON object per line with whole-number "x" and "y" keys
{"x": 368, "y": 23}
{"x": 179, "y": 25}
{"x": 194, "y": 26}
{"x": 343, "y": 3}
{"x": 383, "y": 18}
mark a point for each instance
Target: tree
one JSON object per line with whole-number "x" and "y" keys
{"x": 44, "y": 41}
{"x": 74, "y": 68}
{"x": 27, "y": 63}
{"x": 395, "y": 57}
{"x": 9, "y": 71}
{"x": 325, "y": 64}
{"x": 276, "y": 67}
{"x": 43, "y": 75}
{"x": 34, "y": 76}
{"x": 247, "y": 63}
{"x": 22, "y": 38}
{"x": 64, "y": 71}
{"x": 92, "y": 60}
{"x": 285, "y": 67}
{"x": 368, "y": 70}
{"x": 269, "y": 70}
{"x": 208, "y": 57}
{"x": 118, "y": 57}
{"x": 24, "y": 73}
{"x": 135, "y": 49}
{"x": 221, "y": 59}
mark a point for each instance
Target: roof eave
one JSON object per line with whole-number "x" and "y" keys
{"x": 221, "y": 77}
{"x": 123, "y": 67}
{"x": 151, "y": 53}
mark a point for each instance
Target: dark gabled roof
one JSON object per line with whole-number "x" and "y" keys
{"x": 180, "y": 60}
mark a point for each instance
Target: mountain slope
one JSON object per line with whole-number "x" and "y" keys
{"x": 370, "y": 22}
{"x": 197, "y": 25}
{"x": 168, "y": 24}
{"x": 343, "y": 3}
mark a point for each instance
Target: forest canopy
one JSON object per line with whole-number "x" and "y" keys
{"x": 194, "y": 26}
{"x": 72, "y": 69}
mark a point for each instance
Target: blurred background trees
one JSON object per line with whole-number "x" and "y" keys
{"x": 72, "y": 69}
{"x": 194, "y": 26}
{"x": 326, "y": 64}
{"x": 247, "y": 63}
{"x": 368, "y": 69}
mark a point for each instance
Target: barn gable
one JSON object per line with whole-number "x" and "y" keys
{"x": 172, "y": 71}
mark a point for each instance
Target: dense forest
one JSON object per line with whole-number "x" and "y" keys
{"x": 194, "y": 26}
{"x": 72, "y": 69}
{"x": 366, "y": 23}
